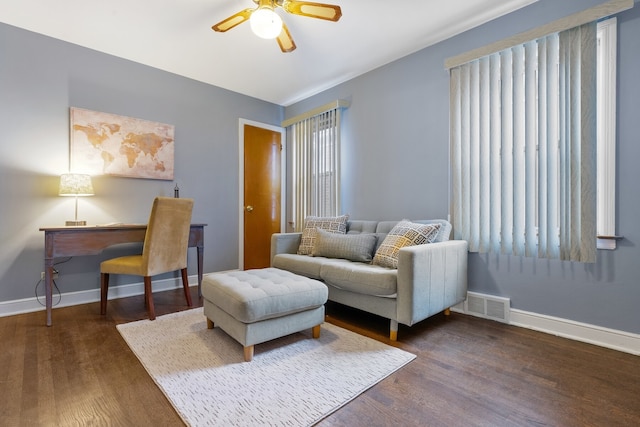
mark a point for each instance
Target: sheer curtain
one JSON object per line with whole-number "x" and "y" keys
{"x": 523, "y": 148}
{"x": 316, "y": 166}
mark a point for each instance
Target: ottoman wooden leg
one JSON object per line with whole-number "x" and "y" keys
{"x": 209, "y": 323}
{"x": 316, "y": 331}
{"x": 248, "y": 353}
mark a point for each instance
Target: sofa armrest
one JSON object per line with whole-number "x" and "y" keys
{"x": 431, "y": 278}
{"x": 284, "y": 243}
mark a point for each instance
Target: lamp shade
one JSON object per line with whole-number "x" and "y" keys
{"x": 75, "y": 184}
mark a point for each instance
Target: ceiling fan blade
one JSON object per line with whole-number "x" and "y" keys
{"x": 285, "y": 41}
{"x": 328, "y": 12}
{"x": 232, "y": 21}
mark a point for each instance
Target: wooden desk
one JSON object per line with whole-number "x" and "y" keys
{"x": 91, "y": 240}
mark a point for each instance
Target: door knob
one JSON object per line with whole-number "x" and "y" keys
{"x": 249, "y": 208}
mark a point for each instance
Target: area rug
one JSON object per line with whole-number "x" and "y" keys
{"x": 292, "y": 381}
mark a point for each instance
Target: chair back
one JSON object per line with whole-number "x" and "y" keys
{"x": 167, "y": 237}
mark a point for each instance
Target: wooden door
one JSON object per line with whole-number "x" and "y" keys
{"x": 262, "y": 193}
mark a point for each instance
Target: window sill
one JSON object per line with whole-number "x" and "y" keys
{"x": 608, "y": 242}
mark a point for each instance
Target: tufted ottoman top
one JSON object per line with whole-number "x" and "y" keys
{"x": 253, "y": 295}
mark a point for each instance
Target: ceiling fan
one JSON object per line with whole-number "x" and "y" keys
{"x": 266, "y": 23}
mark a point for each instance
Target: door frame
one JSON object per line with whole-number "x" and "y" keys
{"x": 283, "y": 179}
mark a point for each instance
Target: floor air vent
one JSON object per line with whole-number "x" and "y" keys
{"x": 488, "y": 306}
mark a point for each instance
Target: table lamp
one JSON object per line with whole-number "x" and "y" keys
{"x": 75, "y": 184}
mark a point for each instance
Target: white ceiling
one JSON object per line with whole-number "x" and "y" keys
{"x": 176, "y": 36}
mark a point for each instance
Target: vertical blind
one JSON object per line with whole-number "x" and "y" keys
{"x": 523, "y": 148}
{"x": 316, "y": 166}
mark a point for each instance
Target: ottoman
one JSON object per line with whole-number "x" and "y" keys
{"x": 255, "y": 306}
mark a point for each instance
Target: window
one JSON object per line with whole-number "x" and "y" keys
{"x": 607, "y": 60}
{"x": 316, "y": 163}
{"x": 523, "y": 148}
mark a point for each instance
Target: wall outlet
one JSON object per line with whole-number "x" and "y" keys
{"x": 55, "y": 275}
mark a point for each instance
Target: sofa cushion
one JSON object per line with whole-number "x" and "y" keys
{"x": 384, "y": 227}
{"x": 360, "y": 226}
{"x": 360, "y": 278}
{"x": 304, "y": 265}
{"x": 404, "y": 233}
{"x": 354, "y": 247}
{"x": 335, "y": 224}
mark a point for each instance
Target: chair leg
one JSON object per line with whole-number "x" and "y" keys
{"x": 104, "y": 288}
{"x": 148, "y": 297}
{"x": 185, "y": 285}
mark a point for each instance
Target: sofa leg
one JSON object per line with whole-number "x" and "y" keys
{"x": 248, "y": 353}
{"x": 316, "y": 331}
{"x": 447, "y": 312}
{"x": 393, "y": 330}
{"x": 210, "y": 324}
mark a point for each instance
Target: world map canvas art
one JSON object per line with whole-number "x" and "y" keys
{"x": 108, "y": 144}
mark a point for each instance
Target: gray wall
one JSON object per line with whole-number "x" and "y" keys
{"x": 395, "y": 165}
{"x": 40, "y": 78}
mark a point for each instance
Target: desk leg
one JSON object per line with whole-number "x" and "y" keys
{"x": 200, "y": 259}
{"x": 48, "y": 289}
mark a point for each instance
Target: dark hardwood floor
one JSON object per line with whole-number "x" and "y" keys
{"x": 469, "y": 372}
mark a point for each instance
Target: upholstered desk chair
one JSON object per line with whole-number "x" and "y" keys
{"x": 164, "y": 250}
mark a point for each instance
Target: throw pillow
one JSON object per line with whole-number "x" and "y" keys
{"x": 335, "y": 224}
{"x": 405, "y": 233}
{"x": 354, "y": 247}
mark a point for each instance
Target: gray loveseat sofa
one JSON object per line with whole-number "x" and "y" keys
{"x": 429, "y": 279}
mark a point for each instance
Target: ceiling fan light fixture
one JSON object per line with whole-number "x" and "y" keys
{"x": 265, "y": 23}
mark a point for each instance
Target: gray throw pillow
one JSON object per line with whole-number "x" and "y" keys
{"x": 354, "y": 247}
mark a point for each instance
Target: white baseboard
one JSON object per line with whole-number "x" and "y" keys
{"x": 604, "y": 337}
{"x": 28, "y": 305}
{"x": 592, "y": 334}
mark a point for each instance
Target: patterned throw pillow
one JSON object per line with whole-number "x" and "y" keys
{"x": 354, "y": 247}
{"x": 335, "y": 224}
{"x": 405, "y": 233}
